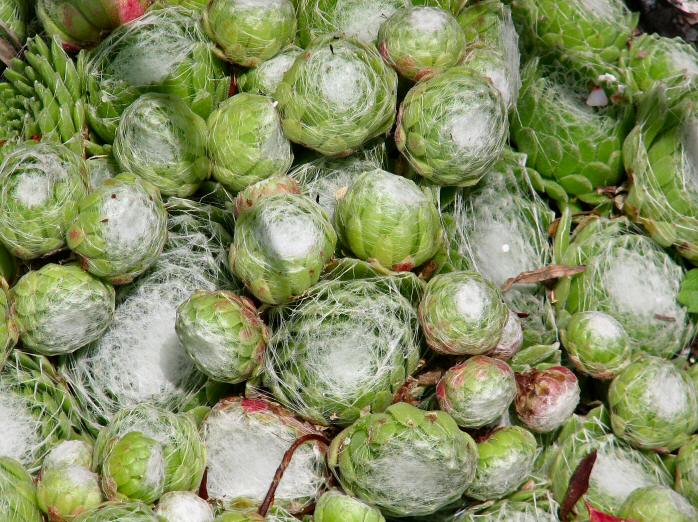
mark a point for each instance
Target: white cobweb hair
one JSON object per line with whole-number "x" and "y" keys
{"x": 140, "y": 358}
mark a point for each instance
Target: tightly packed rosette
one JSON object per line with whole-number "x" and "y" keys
{"x": 164, "y": 51}
{"x": 80, "y": 24}
{"x": 40, "y": 188}
{"x": 653, "y": 404}
{"x": 452, "y": 128}
{"x": 623, "y": 268}
{"x": 171, "y": 440}
{"x": 493, "y": 46}
{"x": 500, "y": 229}
{"x": 657, "y": 60}
{"x": 376, "y": 457}
{"x": 223, "y": 334}
{"x": 388, "y": 219}
{"x": 506, "y": 460}
{"x": 344, "y": 349}
{"x": 281, "y": 246}
{"x": 253, "y": 435}
{"x": 246, "y": 143}
{"x": 61, "y": 308}
{"x": 597, "y": 344}
{"x": 477, "y": 392}
{"x": 120, "y": 229}
{"x": 160, "y": 139}
{"x": 65, "y": 492}
{"x": 589, "y": 35}
{"x": 250, "y": 31}
{"x": 266, "y": 77}
{"x": 538, "y": 506}
{"x": 574, "y": 146}
{"x": 462, "y": 313}
{"x": 420, "y": 42}
{"x": 661, "y": 160}
{"x": 546, "y": 398}
{"x": 336, "y": 96}
{"x": 134, "y": 468}
{"x": 645, "y": 504}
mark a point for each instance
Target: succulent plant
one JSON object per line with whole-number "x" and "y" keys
{"x": 334, "y": 506}
{"x": 183, "y": 506}
{"x": 61, "y": 308}
{"x": 64, "y": 493}
{"x": 656, "y": 503}
{"x": 266, "y": 77}
{"x": 18, "y": 493}
{"x": 337, "y": 95}
{"x": 388, "y": 219}
{"x": 546, "y": 398}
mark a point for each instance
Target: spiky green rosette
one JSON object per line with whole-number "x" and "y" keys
{"x": 346, "y": 348}
{"x": 164, "y": 51}
{"x": 670, "y": 62}
{"x": 134, "y": 468}
{"x": 500, "y": 229}
{"x": 182, "y": 448}
{"x": 388, "y": 219}
{"x": 40, "y": 188}
{"x": 421, "y": 42}
{"x": 246, "y": 143}
{"x": 120, "y": 229}
{"x": 265, "y": 78}
{"x": 254, "y": 435}
{"x": 646, "y": 505}
{"x": 38, "y": 409}
{"x": 622, "y": 269}
{"x": 477, "y": 392}
{"x": 61, "y": 308}
{"x": 373, "y": 457}
{"x": 12, "y": 114}
{"x": 661, "y": 161}
{"x": 119, "y": 512}
{"x": 334, "y": 506}
{"x": 223, "y": 334}
{"x": 506, "y": 460}
{"x": 77, "y": 24}
{"x": 493, "y": 46}
{"x": 653, "y": 404}
{"x": 588, "y": 35}
{"x": 462, "y": 313}
{"x": 597, "y": 344}
{"x": 452, "y": 128}
{"x": 281, "y": 247}
{"x": 575, "y": 147}
{"x": 337, "y": 95}
{"x": 63, "y": 493}
{"x": 250, "y": 32}
{"x": 18, "y": 493}
{"x": 164, "y": 142}
{"x": 49, "y": 84}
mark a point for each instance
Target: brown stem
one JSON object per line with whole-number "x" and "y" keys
{"x": 542, "y": 275}
{"x": 269, "y": 499}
